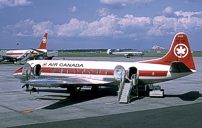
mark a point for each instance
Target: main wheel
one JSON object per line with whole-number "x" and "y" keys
{"x": 33, "y": 89}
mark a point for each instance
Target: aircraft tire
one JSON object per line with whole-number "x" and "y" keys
{"x": 33, "y": 89}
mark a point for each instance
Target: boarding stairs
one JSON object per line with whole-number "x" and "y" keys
{"x": 124, "y": 93}
{"x": 24, "y": 57}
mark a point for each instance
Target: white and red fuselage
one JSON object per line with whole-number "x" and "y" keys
{"x": 18, "y": 53}
{"x": 178, "y": 62}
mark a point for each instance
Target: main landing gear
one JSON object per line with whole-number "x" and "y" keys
{"x": 94, "y": 89}
{"x": 73, "y": 91}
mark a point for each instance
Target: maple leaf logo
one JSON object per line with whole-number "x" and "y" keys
{"x": 181, "y": 50}
{"x": 44, "y": 40}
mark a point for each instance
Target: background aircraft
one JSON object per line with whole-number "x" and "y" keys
{"x": 127, "y": 54}
{"x": 157, "y": 48}
{"x": 178, "y": 62}
{"x": 21, "y": 56}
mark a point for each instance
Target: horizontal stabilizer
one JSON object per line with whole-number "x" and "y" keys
{"x": 39, "y": 51}
{"x": 179, "y": 67}
{"x": 179, "y": 51}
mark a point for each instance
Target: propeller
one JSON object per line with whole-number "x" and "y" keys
{"x": 26, "y": 71}
{"x": 119, "y": 72}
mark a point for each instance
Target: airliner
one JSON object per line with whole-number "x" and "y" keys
{"x": 70, "y": 74}
{"x": 15, "y": 55}
{"x": 158, "y": 48}
{"x": 127, "y": 54}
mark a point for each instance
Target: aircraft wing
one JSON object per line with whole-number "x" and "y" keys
{"x": 4, "y": 57}
{"x": 129, "y": 54}
{"x": 58, "y": 82}
{"x": 39, "y": 51}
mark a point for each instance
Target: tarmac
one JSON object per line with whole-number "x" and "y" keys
{"x": 52, "y": 107}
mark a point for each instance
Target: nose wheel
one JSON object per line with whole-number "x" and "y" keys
{"x": 31, "y": 90}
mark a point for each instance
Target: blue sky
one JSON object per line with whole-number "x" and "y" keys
{"x": 86, "y": 24}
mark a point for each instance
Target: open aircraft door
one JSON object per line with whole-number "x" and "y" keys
{"x": 37, "y": 70}
{"x": 132, "y": 71}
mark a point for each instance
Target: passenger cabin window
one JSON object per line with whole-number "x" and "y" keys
{"x": 90, "y": 71}
{"x": 107, "y": 72}
{"x": 53, "y": 70}
{"x": 61, "y": 70}
{"x": 83, "y": 71}
{"x": 75, "y": 71}
{"x": 98, "y": 71}
{"x": 68, "y": 70}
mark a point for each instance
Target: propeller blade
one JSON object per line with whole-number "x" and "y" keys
{"x": 26, "y": 71}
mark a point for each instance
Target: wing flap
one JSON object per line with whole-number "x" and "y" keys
{"x": 8, "y": 57}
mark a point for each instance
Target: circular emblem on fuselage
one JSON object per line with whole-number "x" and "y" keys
{"x": 44, "y": 40}
{"x": 181, "y": 50}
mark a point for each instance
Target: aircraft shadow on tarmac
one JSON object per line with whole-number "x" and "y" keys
{"x": 87, "y": 95}
{"x": 189, "y": 96}
{"x": 83, "y": 96}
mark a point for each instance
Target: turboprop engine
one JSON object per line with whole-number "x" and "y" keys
{"x": 27, "y": 72}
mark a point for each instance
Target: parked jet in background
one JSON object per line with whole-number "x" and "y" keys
{"x": 158, "y": 48}
{"x": 127, "y": 54}
{"x": 178, "y": 62}
{"x": 17, "y": 56}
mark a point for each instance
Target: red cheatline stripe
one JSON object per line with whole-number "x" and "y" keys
{"x": 79, "y": 71}
{"x": 153, "y": 73}
{"x": 102, "y": 71}
{"x": 19, "y": 53}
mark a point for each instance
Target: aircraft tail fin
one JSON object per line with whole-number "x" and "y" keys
{"x": 179, "y": 52}
{"x": 109, "y": 51}
{"x": 43, "y": 42}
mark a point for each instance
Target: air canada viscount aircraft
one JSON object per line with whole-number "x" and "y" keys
{"x": 70, "y": 74}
